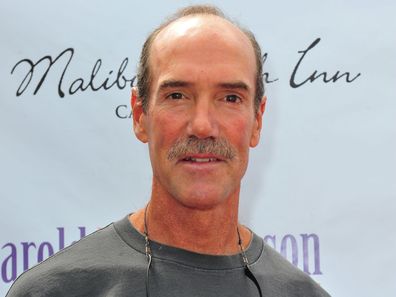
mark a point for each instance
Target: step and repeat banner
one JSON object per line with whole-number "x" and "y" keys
{"x": 320, "y": 187}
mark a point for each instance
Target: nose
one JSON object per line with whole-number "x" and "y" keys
{"x": 203, "y": 122}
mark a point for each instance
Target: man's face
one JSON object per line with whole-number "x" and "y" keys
{"x": 200, "y": 120}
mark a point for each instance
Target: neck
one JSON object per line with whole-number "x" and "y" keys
{"x": 207, "y": 231}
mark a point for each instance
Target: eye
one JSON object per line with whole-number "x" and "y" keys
{"x": 175, "y": 96}
{"x": 233, "y": 98}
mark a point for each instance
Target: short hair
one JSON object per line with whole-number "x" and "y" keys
{"x": 144, "y": 74}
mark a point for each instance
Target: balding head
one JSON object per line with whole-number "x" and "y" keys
{"x": 207, "y": 23}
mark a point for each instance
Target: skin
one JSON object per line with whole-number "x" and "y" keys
{"x": 203, "y": 86}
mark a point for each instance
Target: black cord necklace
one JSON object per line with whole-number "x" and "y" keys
{"x": 148, "y": 252}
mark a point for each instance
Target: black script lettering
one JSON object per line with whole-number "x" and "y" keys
{"x": 315, "y": 74}
{"x": 121, "y": 81}
{"x": 120, "y": 75}
{"x": 26, "y": 81}
{"x": 106, "y": 81}
{"x": 76, "y": 85}
{"x": 79, "y": 84}
{"x": 95, "y": 71}
{"x": 266, "y": 74}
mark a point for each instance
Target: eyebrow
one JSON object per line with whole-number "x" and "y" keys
{"x": 181, "y": 83}
{"x": 166, "y": 84}
{"x": 234, "y": 85}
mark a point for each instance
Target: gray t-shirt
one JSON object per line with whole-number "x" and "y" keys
{"x": 112, "y": 262}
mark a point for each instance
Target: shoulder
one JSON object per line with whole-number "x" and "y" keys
{"x": 279, "y": 274}
{"x": 69, "y": 266}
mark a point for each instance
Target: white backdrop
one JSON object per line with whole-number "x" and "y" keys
{"x": 320, "y": 187}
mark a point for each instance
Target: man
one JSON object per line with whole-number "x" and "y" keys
{"x": 199, "y": 106}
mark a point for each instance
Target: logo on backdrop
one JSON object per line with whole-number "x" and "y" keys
{"x": 302, "y": 251}
{"x": 97, "y": 80}
{"x": 79, "y": 84}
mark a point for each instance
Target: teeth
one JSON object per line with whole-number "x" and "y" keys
{"x": 201, "y": 160}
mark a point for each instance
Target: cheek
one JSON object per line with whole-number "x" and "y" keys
{"x": 165, "y": 130}
{"x": 240, "y": 131}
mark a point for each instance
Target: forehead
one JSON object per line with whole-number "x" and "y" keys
{"x": 203, "y": 40}
{"x": 203, "y": 25}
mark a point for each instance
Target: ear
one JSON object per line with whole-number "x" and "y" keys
{"x": 139, "y": 117}
{"x": 255, "y": 138}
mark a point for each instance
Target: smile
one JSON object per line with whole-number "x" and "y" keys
{"x": 200, "y": 160}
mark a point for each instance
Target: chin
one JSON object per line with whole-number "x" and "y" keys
{"x": 203, "y": 200}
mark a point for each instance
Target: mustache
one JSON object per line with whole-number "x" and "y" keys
{"x": 194, "y": 145}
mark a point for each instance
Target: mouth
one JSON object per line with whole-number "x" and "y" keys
{"x": 201, "y": 159}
